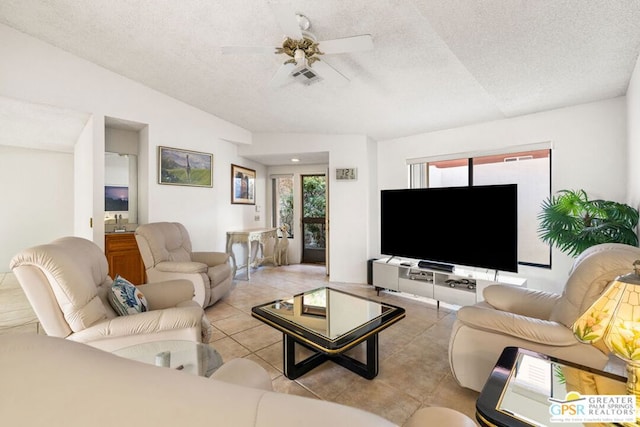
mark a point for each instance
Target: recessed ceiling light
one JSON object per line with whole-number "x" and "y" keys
{"x": 295, "y": 160}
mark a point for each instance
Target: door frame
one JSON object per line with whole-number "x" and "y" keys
{"x": 326, "y": 216}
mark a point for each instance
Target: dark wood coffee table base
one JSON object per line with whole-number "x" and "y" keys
{"x": 293, "y": 370}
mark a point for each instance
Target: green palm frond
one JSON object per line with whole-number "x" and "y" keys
{"x": 573, "y": 223}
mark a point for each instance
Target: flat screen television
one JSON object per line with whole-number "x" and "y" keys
{"x": 467, "y": 226}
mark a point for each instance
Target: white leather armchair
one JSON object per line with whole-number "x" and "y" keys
{"x": 67, "y": 284}
{"x": 535, "y": 320}
{"x": 166, "y": 252}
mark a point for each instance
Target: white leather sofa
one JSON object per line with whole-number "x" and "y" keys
{"x": 166, "y": 251}
{"x": 54, "y": 382}
{"x": 67, "y": 284}
{"x": 535, "y": 320}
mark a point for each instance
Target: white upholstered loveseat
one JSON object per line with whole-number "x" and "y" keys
{"x": 54, "y": 382}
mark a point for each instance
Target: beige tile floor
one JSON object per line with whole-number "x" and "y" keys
{"x": 16, "y": 315}
{"x": 414, "y": 370}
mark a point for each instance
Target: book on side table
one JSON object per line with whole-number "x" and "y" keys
{"x": 531, "y": 389}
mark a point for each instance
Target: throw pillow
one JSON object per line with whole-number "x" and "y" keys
{"x": 125, "y": 298}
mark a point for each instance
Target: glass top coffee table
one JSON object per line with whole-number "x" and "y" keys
{"x": 188, "y": 356}
{"x": 329, "y": 322}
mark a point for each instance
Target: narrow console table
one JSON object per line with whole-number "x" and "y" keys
{"x": 261, "y": 237}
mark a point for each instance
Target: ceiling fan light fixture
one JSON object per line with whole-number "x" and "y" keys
{"x": 299, "y": 56}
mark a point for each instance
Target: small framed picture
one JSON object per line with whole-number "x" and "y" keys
{"x": 243, "y": 183}
{"x": 184, "y": 167}
{"x": 343, "y": 174}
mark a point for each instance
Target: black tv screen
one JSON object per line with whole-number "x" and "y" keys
{"x": 468, "y": 226}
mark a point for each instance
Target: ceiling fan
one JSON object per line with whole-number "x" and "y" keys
{"x": 302, "y": 51}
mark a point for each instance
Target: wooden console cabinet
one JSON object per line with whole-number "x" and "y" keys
{"x": 124, "y": 257}
{"x": 458, "y": 287}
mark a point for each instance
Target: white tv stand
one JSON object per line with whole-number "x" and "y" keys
{"x": 460, "y": 287}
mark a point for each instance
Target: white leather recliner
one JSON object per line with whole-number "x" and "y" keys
{"x": 67, "y": 284}
{"x": 166, "y": 252}
{"x": 535, "y": 320}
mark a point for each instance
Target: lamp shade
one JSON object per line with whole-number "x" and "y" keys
{"x": 615, "y": 318}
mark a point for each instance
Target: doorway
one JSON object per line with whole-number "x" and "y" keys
{"x": 314, "y": 225}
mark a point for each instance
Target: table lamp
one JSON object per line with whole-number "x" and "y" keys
{"x": 615, "y": 318}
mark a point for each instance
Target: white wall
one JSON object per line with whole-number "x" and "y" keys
{"x": 349, "y": 216}
{"x": 373, "y": 207}
{"x": 122, "y": 141}
{"x": 36, "y": 72}
{"x": 89, "y": 181}
{"x": 37, "y": 198}
{"x": 633, "y": 137}
{"x": 589, "y": 152}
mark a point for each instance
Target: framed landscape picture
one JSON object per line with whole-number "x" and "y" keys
{"x": 243, "y": 183}
{"x": 184, "y": 167}
{"x": 116, "y": 199}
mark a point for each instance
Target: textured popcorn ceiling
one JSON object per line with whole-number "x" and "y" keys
{"x": 436, "y": 63}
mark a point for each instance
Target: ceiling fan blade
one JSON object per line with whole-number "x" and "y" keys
{"x": 348, "y": 44}
{"x": 282, "y": 75}
{"x": 287, "y": 20}
{"x": 247, "y": 50}
{"x": 328, "y": 73}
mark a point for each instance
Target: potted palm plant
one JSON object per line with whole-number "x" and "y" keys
{"x": 572, "y": 222}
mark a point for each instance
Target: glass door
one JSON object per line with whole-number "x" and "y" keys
{"x": 314, "y": 208}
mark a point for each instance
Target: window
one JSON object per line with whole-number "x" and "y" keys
{"x": 282, "y": 192}
{"x": 531, "y": 170}
{"x": 449, "y": 173}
